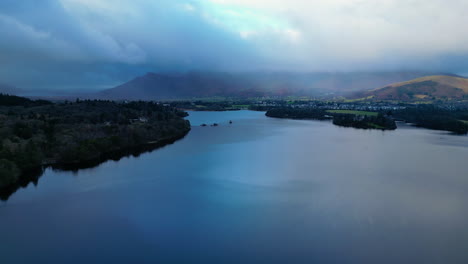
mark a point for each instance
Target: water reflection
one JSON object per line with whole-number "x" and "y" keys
{"x": 33, "y": 176}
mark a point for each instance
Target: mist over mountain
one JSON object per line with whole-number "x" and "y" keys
{"x": 155, "y": 86}
{"x": 69, "y": 44}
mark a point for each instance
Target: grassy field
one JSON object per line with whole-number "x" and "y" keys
{"x": 241, "y": 106}
{"x": 464, "y": 121}
{"x": 375, "y": 126}
{"x": 353, "y": 112}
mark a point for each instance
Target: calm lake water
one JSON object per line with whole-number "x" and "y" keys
{"x": 258, "y": 191}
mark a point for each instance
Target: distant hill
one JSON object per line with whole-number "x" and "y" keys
{"x": 154, "y": 86}
{"x": 426, "y": 88}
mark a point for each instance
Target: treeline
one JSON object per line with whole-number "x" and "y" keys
{"x": 435, "y": 117}
{"x": 200, "y": 105}
{"x": 33, "y": 135}
{"x": 438, "y": 117}
{"x": 298, "y": 113}
{"x": 365, "y": 122}
{"x": 380, "y": 121}
{"x": 13, "y": 100}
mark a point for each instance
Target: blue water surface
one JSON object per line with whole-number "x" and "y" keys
{"x": 259, "y": 190}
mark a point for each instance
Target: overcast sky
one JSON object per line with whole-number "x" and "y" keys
{"x": 71, "y": 44}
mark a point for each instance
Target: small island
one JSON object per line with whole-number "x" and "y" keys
{"x": 77, "y": 134}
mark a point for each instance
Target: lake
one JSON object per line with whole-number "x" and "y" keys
{"x": 259, "y": 190}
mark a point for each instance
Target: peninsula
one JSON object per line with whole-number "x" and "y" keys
{"x": 80, "y": 133}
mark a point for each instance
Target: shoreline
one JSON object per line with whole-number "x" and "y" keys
{"x": 33, "y": 174}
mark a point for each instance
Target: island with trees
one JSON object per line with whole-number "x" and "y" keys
{"x": 345, "y": 118}
{"x": 447, "y": 117}
{"x": 82, "y": 133}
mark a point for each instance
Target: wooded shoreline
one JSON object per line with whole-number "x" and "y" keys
{"x": 71, "y": 135}
{"x": 32, "y": 175}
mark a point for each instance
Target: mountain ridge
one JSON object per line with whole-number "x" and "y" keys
{"x": 157, "y": 86}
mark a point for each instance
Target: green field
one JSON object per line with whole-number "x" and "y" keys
{"x": 464, "y": 121}
{"x": 353, "y": 112}
{"x": 241, "y": 106}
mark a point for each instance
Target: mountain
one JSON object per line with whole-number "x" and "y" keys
{"x": 425, "y": 88}
{"x": 154, "y": 86}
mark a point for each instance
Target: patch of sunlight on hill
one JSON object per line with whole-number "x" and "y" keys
{"x": 457, "y": 82}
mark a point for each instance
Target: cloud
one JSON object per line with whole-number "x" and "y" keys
{"x": 337, "y": 32}
{"x": 50, "y": 32}
{"x": 100, "y": 42}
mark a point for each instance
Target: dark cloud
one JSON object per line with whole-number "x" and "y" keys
{"x": 47, "y": 45}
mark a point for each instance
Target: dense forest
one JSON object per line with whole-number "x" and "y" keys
{"x": 434, "y": 117}
{"x": 380, "y": 121}
{"x": 38, "y": 133}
